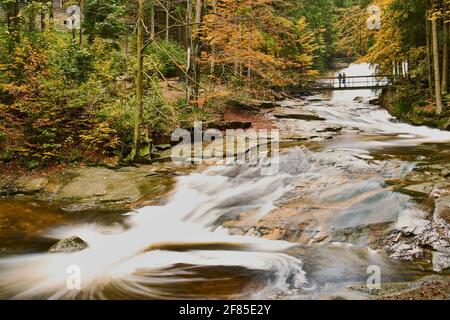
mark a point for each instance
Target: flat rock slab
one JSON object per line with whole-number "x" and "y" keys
{"x": 296, "y": 114}
{"x": 422, "y": 188}
{"x": 102, "y": 186}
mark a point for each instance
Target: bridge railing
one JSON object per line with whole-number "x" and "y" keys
{"x": 371, "y": 81}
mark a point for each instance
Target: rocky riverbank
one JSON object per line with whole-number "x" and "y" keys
{"x": 410, "y": 107}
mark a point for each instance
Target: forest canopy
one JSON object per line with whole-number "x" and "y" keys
{"x": 103, "y": 81}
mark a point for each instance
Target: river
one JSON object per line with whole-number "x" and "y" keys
{"x": 206, "y": 240}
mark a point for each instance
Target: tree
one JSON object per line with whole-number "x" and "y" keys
{"x": 436, "y": 63}
{"x": 445, "y": 57}
{"x": 139, "y": 82}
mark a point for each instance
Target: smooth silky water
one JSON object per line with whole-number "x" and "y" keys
{"x": 179, "y": 250}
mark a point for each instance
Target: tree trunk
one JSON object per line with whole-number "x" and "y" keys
{"x": 167, "y": 19}
{"x": 51, "y": 10}
{"x": 213, "y": 48}
{"x": 139, "y": 83}
{"x": 42, "y": 20}
{"x": 196, "y": 48}
{"x": 437, "y": 74}
{"x": 16, "y": 21}
{"x": 81, "y": 21}
{"x": 429, "y": 49}
{"x": 445, "y": 60}
{"x": 152, "y": 19}
{"x": 188, "y": 51}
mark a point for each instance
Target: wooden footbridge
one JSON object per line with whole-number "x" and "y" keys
{"x": 370, "y": 82}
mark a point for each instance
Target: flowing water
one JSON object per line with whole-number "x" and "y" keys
{"x": 181, "y": 249}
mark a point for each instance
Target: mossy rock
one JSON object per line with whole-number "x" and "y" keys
{"x": 69, "y": 245}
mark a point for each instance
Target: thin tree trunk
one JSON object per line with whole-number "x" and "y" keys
{"x": 167, "y": 19}
{"x": 196, "y": 48}
{"x": 51, "y": 10}
{"x": 188, "y": 51}
{"x": 429, "y": 49}
{"x": 213, "y": 48}
{"x": 42, "y": 20}
{"x": 445, "y": 60}
{"x": 437, "y": 74}
{"x": 139, "y": 83}
{"x": 81, "y": 21}
{"x": 152, "y": 19}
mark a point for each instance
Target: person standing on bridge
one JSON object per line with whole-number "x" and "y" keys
{"x": 344, "y": 79}
{"x": 340, "y": 79}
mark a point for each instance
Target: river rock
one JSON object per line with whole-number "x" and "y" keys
{"x": 233, "y": 125}
{"x": 102, "y": 187}
{"x": 445, "y": 173}
{"x": 267, "y": 105}
{"x": 441, "y": 261}
{"x": 26, "y": 185}
{"x": 359, "y": 99}
{"x": 315, "y": 99}
{"x": 69, "y": 245}
{"x": 375, "y": 101}
{"x": 330, "y": 129}
{"x": 422, "y": 188}
{"x": 299, "y": 116}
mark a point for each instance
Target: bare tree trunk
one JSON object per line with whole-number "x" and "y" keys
{"x": 196, "y": 48}
{"x": 429, "y": 49}
{"x": 167, "y": 19}
{"x": 42, "y": 19}
{"x": 152, "y": 19}
{"x": 139, "y": 83}
{"x": 51, "y": 10}
{"x": 188, "y": 50}
{"x": 437, "y": 74}
{"x": 445, "y": 60}
{"x": 81, "y": 21}
{"x": 213, "y": 48}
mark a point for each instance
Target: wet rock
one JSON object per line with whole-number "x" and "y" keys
{"x": 445, "y": 173}
{"x": 442, "y": 210}
{"x": 331, "y": 129}
{"x": 422, "y": 188}
{"x": 26, "y": 185}
{"x": 163, "y": 147}
{"x": 31, "y": 185}
{"x": 267, "y": 105}
{"x": 359, "y": 99}
{"x": 69, "y": 245}
{"x": 423, "y": 239}
{"x": 315, "y": 99}
{"x": 232, "y": 125}
{"x": 299, "y": 116}
{"x": 441, "y": 261}
{"x": 107, "y": 187}
{"x": 254, "y": 105}
{"x": 375, "y": 101}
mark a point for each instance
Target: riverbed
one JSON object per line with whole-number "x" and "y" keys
{"x": 313, "y": 230}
